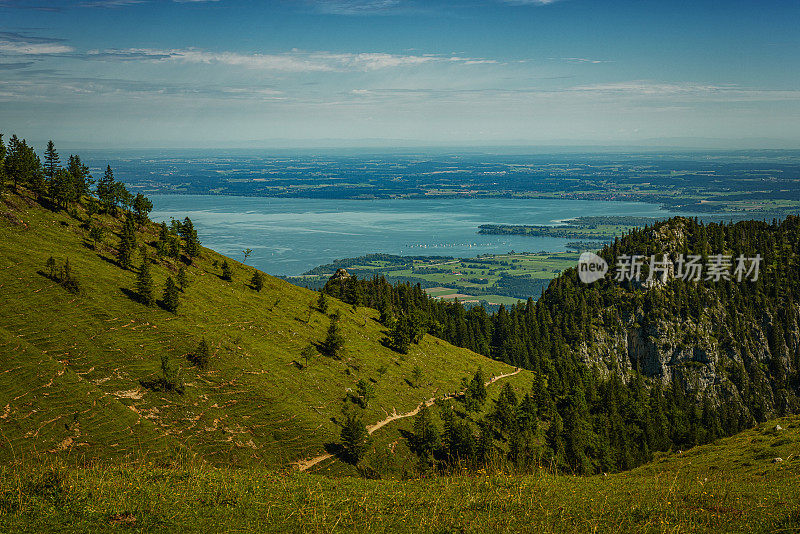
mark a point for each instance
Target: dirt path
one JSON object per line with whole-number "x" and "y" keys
{"x": 304, "y": 465}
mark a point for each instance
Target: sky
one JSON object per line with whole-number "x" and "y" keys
{"x": 246, "y": 73}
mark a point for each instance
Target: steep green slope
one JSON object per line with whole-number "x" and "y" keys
{"x": 732, "y": 485}
{"x": 257, "y": 402}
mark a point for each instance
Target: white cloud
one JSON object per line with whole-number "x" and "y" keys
{"x": 30, "y": 49}
{"x": 686, "y": 91}
{"x": 585, "y": 60}
{"x": 529, "y": 2}
{"x": 355, "y": 7}
{"x": 294, "y": 61}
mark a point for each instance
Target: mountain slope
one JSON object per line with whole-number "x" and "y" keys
{"x": 257, "y": 402}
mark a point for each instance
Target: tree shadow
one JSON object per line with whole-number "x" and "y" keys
{"x": 334, "y": 448}
{"x": 112, "y": 261}
{"x": 133, "y": 295}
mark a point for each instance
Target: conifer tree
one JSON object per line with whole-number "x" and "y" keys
{"x": 23, "y": 166}
{"x": 355, "y": 438}
{"x": 67, "y": 278}
{"x": 416, "y": 376}
{"x": 62, "y": 188}
{"x": 257, "y": 281}
{"x": 142, "y": 206}
{"x": 226, "y": 271}
{"x": 127, "y": 244}
{"x": 106, "y": 191}
{"x": 201, "y": 356}
{"x": 170, "y": 372}
{"x": 308, "y": 353}
{"x": 424, "y": 442}
{"x": 400, "y": 335}
{"x": 171, "y": 296}
{"x": 50, "y": 265}
{"x": 52, "y": 161}
{"x": 475, "y": 395}
{"x": 385, "y": 309}
{"x": 189, "y": 234}
{"x": 144, "y": 284}
{"x": 365, "y": 392}
{"x": 322, "y": 302}
{"x": 181, "y": 278}
{"x": 81, "y": 177}
{"x": 333, "y": 345}
{"x": 96, "y": 234}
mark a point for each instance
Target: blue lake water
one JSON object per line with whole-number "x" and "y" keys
{"x": 291, "y": 235}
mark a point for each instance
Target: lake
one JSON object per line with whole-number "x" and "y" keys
{"x": 289, "y": 236}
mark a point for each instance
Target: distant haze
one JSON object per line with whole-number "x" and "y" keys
{"x": 401, "y": 73}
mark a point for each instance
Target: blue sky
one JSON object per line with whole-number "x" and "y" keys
{"x": 227, "y": 73}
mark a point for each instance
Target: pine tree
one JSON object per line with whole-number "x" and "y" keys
{"x": 106, "y": 191}
{"x": 257, "y": 282}
{"x": 333, "y": 345}
{"x": 171, "y": 380}
{"x": 81, "y": 177}
{"x": 52, "y": 161}
{"x": 144, "y": 284}
{"x": 475, "y": 395}
{"x": 127, "y": 244}
{"x": 365, "y": 392}
{"x": 322, "y": 302}
{"x": 171, "y": 296}
{"x": 23, "y": 166}
{"x": 189, "y": 234}
{"x": 181, "y": 278}
{"x": 96, "y": 234}
{"x": 142, "y": 206}
{"x": 355, "y": 438}
{"x": 226, "y": 271}
{"x": 424, "y": 442}
{"x": 201, "y": 356}
{"x": 50, "y": 265}
{"x": 308, "y": 353}
{"x": 385, "y": 309}
{"x": 67, "y": 279}
{"x": 62, "y": 188}
{"x": 416, "y": 376}
{"x": 400, "y": 335}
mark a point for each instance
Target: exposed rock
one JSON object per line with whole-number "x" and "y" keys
{"x": 340, "y": 274}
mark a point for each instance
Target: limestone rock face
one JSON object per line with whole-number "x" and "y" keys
{"x": 340, "y": 274}
{"x": 690, "y": 351}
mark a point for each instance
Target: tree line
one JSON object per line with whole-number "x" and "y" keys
{"x": 606, "y": 416}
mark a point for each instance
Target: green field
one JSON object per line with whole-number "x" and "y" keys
{"x": 733, "y": 485}
{"x": 490, "y": 278}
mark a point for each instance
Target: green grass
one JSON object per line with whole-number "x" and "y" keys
{"x": 459, "y": 275}
{"x": 71, "y": 365}
{"x": 732, "y": 485}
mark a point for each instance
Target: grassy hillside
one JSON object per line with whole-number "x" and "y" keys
{"x": 732, "y": 485}
{"x": 71, "y": 365}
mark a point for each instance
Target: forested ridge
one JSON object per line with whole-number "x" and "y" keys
{"x": 625, "y": 369}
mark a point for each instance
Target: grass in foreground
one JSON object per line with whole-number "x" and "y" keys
{"x": 733, "y": 485}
